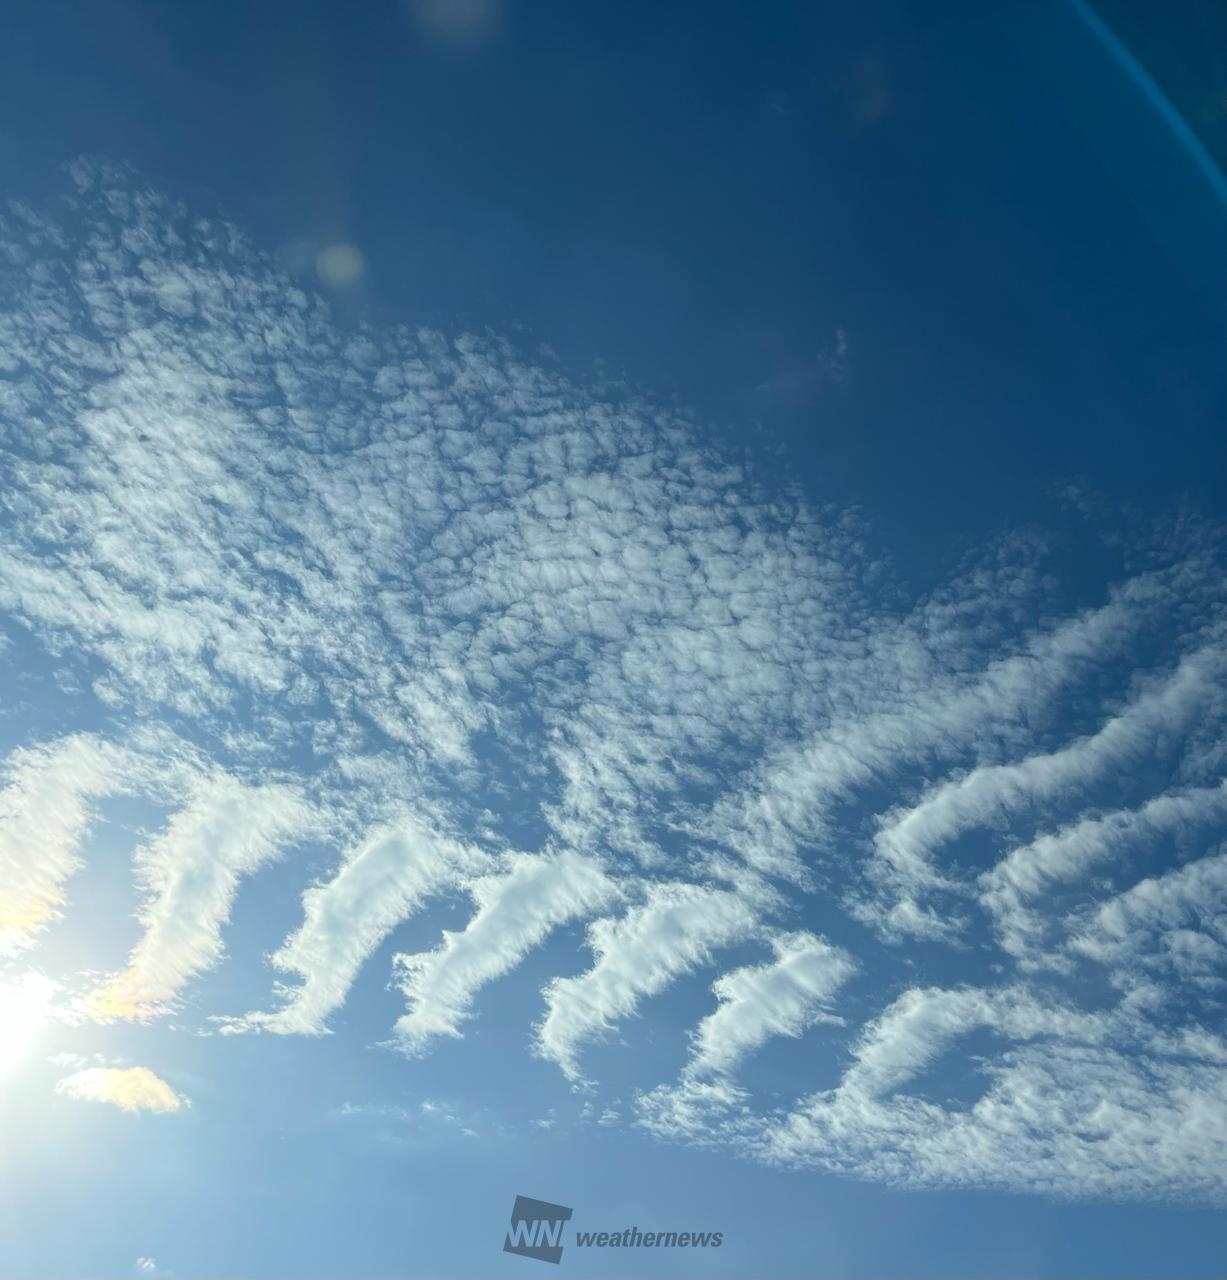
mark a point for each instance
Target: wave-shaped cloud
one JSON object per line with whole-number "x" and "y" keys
{"x": 487, "y": 632}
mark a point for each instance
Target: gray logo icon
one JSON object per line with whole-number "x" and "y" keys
{"x": 536, "y": 1229}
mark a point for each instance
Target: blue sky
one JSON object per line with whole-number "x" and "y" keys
{"x": 621, "y": 607}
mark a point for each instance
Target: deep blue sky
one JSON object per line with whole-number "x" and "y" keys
{"x": 934, "y": 262}
{"x": 1025, "y": 261}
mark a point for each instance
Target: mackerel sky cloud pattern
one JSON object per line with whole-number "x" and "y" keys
{"x": 481, "y": 631}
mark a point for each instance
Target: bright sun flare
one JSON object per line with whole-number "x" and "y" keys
{"x": 24, "y": 1003}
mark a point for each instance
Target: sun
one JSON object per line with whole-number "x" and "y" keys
{"x": 24, "y": 1006}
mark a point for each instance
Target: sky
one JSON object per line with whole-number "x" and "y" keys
{"x": 620, "y": 605}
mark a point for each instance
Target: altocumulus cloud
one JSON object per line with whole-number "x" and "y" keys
{"x": 128, "y": 1088}
{"x": 484, "y": 632}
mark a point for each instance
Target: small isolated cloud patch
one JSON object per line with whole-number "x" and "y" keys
{"x": 128, "y": 1088}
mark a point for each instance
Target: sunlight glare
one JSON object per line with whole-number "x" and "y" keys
{"x": 24, "y": 1005}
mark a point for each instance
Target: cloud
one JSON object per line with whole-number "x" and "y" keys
{"x": 992, "y": 793}
{"x": 798, "y": 383}
{"x": 45, "y": 809}
{"x": 67, "y": 1059}
{"x": 192, "y": 873}
{"x": 146, "y": 1267}
{"x": 1063, "y": 1107}
{"x": 462, "y": 22}
{"x": 923, "y": 1022}
{"x": 1177, "y": 919}
{"x": 898, "y": 709}
{"x": 1061, "y": 1118}
{"x": 1071, "y": 1104}
{"x": 1063, "y": 857}
{"x": 516, "y": 910}
{"x": 780, "y": 998}
{"x": 430, "y": 1117}
{"x": 128, "y": 1088}
{"x": 340, "y": 265}
{"x": 474, "y": 628}
{"x": 675, "y": 930}
{"x": 381, "y": 882}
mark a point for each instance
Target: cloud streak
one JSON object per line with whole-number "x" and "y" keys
{"x": 991, "y": 794}
{"x": 381, "y": 882}
{"x": 45, "y": 809}
{"x": 674, "y": 931}
{"x": 1052, "y": 860}
{"x": 192, "y": 874}
{"x": 516, "y": 911}
{"x": 781, "y": 998}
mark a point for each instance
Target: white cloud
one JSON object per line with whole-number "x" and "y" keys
{"x": 380, "y": 883}
{"x": 128, "y": 1088}
{"x": 922, "y": 1023}
{"x": 1072, "y": 1104}
{"x": 1055, "y": 1118}
{"x": 67, "y": 1059}
{"x": 993, "y": 793}
{"x": 780, "y": 998}
{"x": 461, "y": 22}
{"x": 899, "y": 708}
{"x": 1178, "y": 919}
{"x": 675, "y": 930}
{"x": 192, "y": 872}
{"x": 473, "y": 606}
{"x": 516, "y": 909}
{"x": 1064, "y": 856}
{"x": 45, "y": 809}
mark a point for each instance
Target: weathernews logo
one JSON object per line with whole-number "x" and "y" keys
{"x": 536, "y": 1229}
{"x": 537, "y": 1226}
